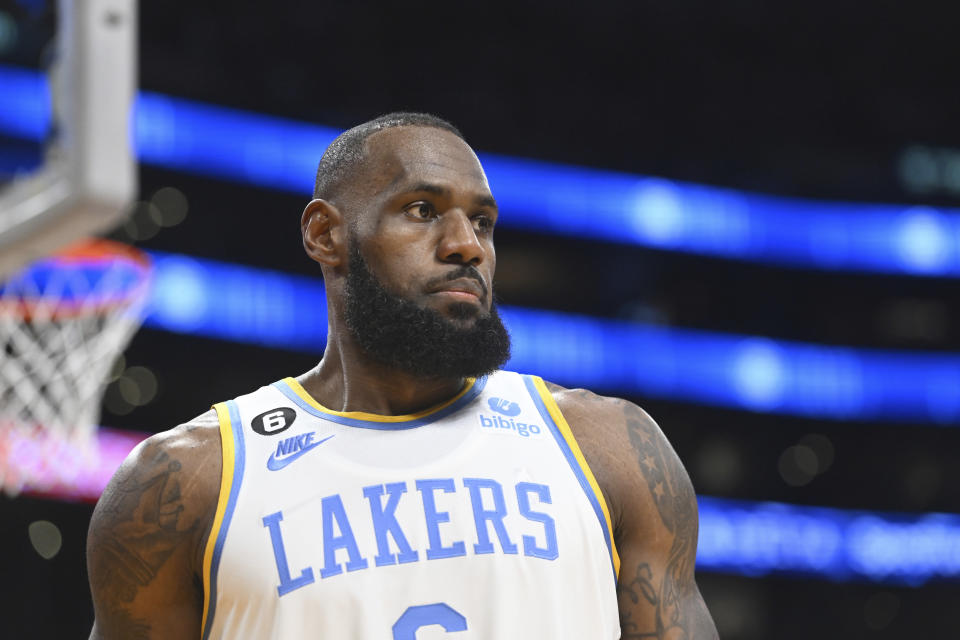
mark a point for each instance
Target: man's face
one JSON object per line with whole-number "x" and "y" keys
{"x": 419, "y": 286}
{"x": 424, "y": 214}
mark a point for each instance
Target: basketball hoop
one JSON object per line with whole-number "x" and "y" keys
{"x": 63, "y": 322}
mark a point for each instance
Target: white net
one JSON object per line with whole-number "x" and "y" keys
{"x": 63, "y": 322}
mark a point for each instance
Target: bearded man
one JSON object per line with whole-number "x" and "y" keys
{"x": 406, "y": 487}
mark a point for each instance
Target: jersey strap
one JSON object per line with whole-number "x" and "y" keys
{"x": 231, "y": 441}
{"x": 578, "y": 463}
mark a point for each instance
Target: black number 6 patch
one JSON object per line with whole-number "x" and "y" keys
{"x": 274, "y": 421}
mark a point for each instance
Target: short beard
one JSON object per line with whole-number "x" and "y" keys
{"x": 397, "y": 333}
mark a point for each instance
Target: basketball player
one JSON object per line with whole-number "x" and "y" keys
{"x": 406, "y": 487}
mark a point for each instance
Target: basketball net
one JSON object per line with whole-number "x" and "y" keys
{"x": 63, "y": 322}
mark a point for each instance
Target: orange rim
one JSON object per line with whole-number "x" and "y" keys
{"x": 92, "y": 251}
{"x": 95, "y": 249}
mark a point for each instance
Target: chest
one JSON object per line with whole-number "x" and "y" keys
{"x": 346, "y": 527}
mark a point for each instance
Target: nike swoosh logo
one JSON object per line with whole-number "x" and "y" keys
{"x": 275, "y": 465}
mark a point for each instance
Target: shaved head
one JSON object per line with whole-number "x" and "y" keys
{"x": 348, "y": 150}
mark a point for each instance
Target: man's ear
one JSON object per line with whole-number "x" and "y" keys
{"x": 324, "y": 233}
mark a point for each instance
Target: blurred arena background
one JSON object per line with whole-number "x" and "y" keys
{"x": 745, "y": 217}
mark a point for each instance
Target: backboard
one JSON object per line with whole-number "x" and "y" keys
{"x": 88, "y": 175}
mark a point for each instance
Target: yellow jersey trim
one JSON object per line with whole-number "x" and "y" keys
{"x": 564, "y": 428}
{"x": 375, "y": 417}
{"x": 228, "y": 450}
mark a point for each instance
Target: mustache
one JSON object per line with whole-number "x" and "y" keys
{"x": 463, "y": 271}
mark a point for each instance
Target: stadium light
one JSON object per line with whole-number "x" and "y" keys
{"x": 761, "y": 538}
{"x": 234, "y": 302}
{"x": 546, "y": 198}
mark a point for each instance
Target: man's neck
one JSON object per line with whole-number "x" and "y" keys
{"x": 356, "y": 384}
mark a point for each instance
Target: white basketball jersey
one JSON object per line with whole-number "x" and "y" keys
{"x": 476, "y": 520}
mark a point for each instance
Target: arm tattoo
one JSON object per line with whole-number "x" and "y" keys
{"x": 120, "y": 624}
{"x": 644, "y": 583}
{"x": 676, "y": 505}
{"x": 138, "y": 529}
{"x": 679, "y": 610}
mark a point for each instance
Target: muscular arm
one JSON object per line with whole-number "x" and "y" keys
{"x": 654, "y": 511}
{"x": 146, "y": 537}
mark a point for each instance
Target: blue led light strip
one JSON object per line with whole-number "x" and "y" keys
{"x": 756, "y": 539}
{"x": 546, "y": 198}
{"x": 233, "y": 302}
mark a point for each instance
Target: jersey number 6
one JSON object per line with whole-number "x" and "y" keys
{"x": 405, "y": 628}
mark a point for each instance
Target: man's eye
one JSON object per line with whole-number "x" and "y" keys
{"x": 484, "y": 223}
{"x": 421, "y": 210}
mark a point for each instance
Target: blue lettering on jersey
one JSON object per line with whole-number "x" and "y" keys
{"x": 530, "y": 548}
{"x": 292, "y": 448}
{"x": 427, "y": 615}
{"x": 505, "y": 407}
{"x": 334, "y": 513}
{"x": 385, "y": 521}
{"x": 272, "y": 523}
{"x": 498, "y": 422}
{"x": 494, "y": 516}
{"x": 490, "y": 508}
{"x": 434, "y": 518}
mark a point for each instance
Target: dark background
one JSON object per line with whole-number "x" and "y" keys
{"x": 815, "y": 99}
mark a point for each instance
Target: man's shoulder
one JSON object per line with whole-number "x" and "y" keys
{"x": 191, "y": 444}
{"x": 178, "y": 469}
{"x": 598, "y": 424}
{"x": 586, "y": 410}
{"x": 623, "y": 445}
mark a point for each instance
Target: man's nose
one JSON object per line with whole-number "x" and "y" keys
{"x": 459, "y": 242}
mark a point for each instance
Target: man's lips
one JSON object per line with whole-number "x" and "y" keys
{"x": 466, "y": 288}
